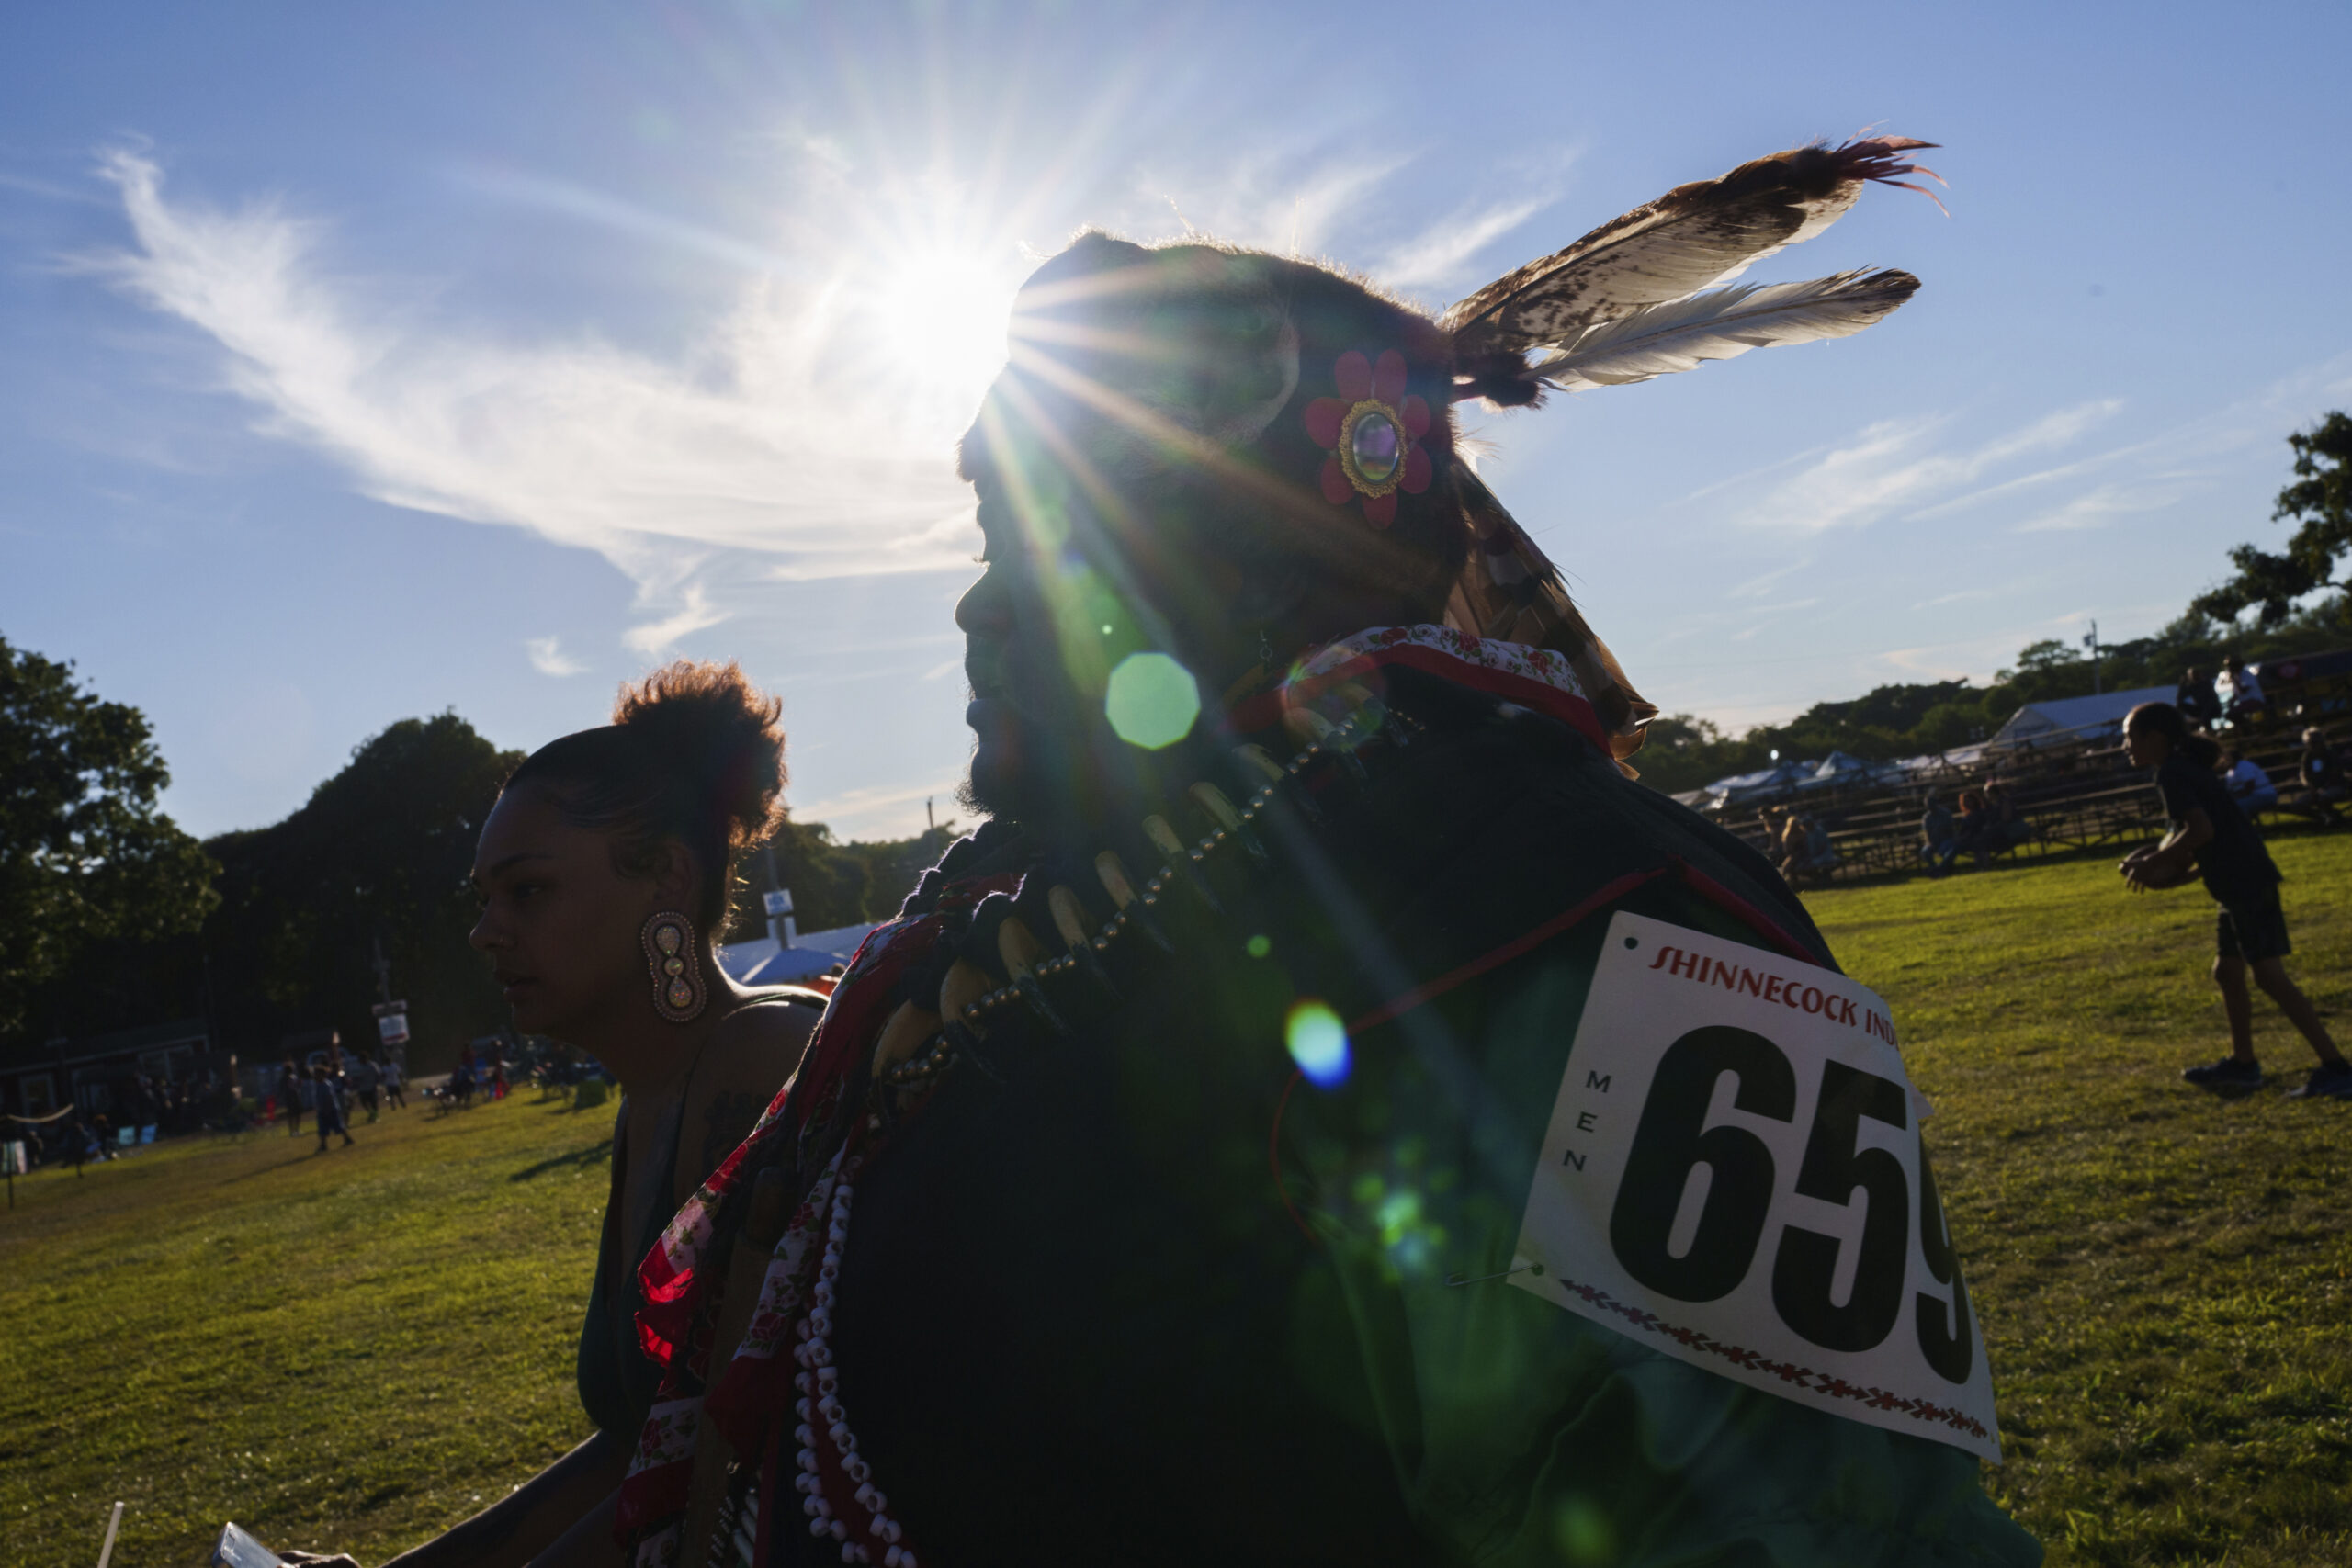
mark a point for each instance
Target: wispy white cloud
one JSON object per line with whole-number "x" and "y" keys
{"x": 2097, "y": 507}
{"x": 1893, "y": 467}
{"x": 781, "y": 433}
{"x": 1440, "y": 254}
{"x": 693, "y": 614}
{"x": 860, "y": 811}
{"x": 1963, "y": 597}
{"x": 548, "y": 658}
{"x": 1757, "y": 587}
{"x": 1269, "y": 201}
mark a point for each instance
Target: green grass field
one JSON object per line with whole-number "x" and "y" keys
{"x": 352, "y": 1349}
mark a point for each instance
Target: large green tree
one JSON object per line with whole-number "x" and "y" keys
{"x": 86, "y": 856}
{"x": 2321, "y": 501}
{"x": 375, "y": 860}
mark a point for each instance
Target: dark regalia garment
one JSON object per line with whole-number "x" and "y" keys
{"x": 1155, "y": 1200}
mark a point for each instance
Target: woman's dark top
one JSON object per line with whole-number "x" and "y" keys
{"x": 616, "y": 1384}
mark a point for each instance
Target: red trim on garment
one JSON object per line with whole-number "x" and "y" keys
{"x": 1429, "y": 990}
{"x": 1265, "y": 710}
{"x": 1748, "y": 914}
{"x": 1699, "y": 882}
{"x": 1275, "y": 1158}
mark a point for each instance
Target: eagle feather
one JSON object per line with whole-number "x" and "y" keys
{"x": 1723, "y": 324}
{"x": 1694, "y": 236}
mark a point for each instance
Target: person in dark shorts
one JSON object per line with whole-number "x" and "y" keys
{"x": 2211, "y": 837}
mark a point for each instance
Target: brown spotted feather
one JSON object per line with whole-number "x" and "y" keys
{"x": 1694, "y": 235}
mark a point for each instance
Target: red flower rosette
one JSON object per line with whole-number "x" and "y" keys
{"x": 1373, "y": 433}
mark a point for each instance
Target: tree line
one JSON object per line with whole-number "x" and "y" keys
{"x": 116, "y": 917}
{"x": 1909, "y": 720}
{"x": 277, "y": 930}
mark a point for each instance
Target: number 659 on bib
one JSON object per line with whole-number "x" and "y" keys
{"x": 1733, "y": 1175}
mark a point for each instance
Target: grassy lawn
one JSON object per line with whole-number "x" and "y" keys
{"x": 353, "y": 1350}
{"x": 348, "y": 1350}
{"x": 2162, "y": 1273}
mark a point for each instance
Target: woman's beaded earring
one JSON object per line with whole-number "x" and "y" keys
{"x": 678, "y": 990}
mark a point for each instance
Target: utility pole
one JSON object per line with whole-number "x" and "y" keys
{"x": 383, "y": 967}
{"x": 928, "y": 819}
{"x": 2091, "y": 642}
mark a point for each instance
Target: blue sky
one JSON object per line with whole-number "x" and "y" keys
{"x": 358, "y": 363}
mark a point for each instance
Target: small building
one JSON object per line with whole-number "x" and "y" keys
{"x": 84, "y": 1073}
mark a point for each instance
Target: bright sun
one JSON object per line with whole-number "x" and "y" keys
{"x": 941, "y": 315}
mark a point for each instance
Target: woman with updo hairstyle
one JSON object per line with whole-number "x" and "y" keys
{"x": 604, "y": 873}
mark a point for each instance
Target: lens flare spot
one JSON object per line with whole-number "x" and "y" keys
{"x": 1152, "y": 701}
{"x": 1318, "y": 1044}
{"x": 1258, "y": 946}
{"x": 1582, "y": 1531}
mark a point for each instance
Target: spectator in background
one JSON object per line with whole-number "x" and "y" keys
{"x": 395, "y": 1081}
{"x": 1972, "y": 834}
{"x": 2249, "y": 784}
{"x": 1939, "y": 838}
{"x": 289, "y": 1097}
{"x": 2320, "y": 774}
{"x": 2007, "y": 829}
{"x": 1806, "y": 854}
{"x": 2211, "y": 839}
{"x": 2194, "y": 698}
{"x": 326, "y": 1096}
{"x": 2241, "y": 694}
{"x": 1821, "y": 855}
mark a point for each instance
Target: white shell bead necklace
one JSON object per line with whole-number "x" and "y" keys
{"x": 822, "y": 1418}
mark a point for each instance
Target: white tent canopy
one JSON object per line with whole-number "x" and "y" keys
{"x": 2084, "y": 718}
{"x": 763, "y": 962}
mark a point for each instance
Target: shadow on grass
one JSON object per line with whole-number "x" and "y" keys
{"x": 587, "y": 1154}
{"x": 307, "y": 1153}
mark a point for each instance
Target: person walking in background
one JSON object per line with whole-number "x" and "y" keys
{"x": 2249, "y": 784}
{"x": 498, "y": 1077}
{"x": 394, "y": 1081}
{"x": 2211, "y": 837}
{"x": 327, "y": 1108}
{"x": 289, "y": 1097}
{"x": 365, "y": 1080}
{"x": 2194, "y": 698}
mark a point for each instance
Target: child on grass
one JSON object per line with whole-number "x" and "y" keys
{"x": 2211, "y": 836}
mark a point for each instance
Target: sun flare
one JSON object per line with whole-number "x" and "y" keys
{"x": 940, "y": 313}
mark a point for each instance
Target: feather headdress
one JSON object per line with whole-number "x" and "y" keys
{"x": 1341, "y": 397}
{"x": 1623, "y": 304}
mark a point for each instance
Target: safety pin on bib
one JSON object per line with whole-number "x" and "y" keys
{"x": 1454, "y": 1281}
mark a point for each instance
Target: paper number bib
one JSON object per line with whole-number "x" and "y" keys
{"x": 1733, "y": 1175}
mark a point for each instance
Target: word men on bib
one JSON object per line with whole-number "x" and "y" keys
{"x": 1734, "y": 1174}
